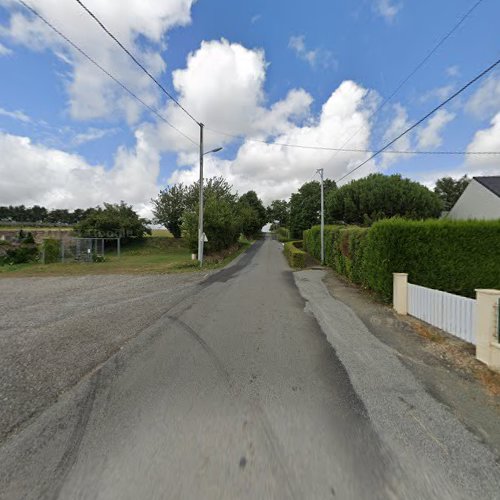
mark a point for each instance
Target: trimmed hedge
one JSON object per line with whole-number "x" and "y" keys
{"x": 294, "y": 254}
{"x": 453, "y": 256}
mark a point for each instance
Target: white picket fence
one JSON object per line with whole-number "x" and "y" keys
{"x": 451, "y": 313}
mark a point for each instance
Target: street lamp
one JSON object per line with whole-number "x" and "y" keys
{"x": 201, "y": 239}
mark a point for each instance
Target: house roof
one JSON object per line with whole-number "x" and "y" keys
{"x": 492, "y": 183}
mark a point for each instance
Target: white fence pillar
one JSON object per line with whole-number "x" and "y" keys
{"x": 486, "y": 328}
{"x": 400, "y": 292}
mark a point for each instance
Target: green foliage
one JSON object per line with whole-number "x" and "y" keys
{"x": 296, "y": 256}
{"x": 279, "y": 212}
{"x": 113, "y": 221}
{"x": 305, "y": 206}
{"x": 51, "y": 250}
{"x": 169, "y": 207}
{"x": 449, "y": 190}
{"x": 252, "y": 214}
{"x": 221, "y": 225}
{"x": 379, "y": 196}
{"x": 453, "y": 256}
{"x": 344, "y": 249}
{"x": 283, "y": 234}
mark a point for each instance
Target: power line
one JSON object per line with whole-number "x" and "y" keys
{"x": 417, "y": 67}
{"x": 343, "y": 150}
{"x": 416, "y": 124}
{"x": 105, "y": 71}
{"x": 136, "y": 61}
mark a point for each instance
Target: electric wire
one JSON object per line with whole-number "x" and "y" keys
{"x": 136, "y": 61}
{"x": 414, "y": 71}
{"x": 416, "y": 124}
{"x": 105, "y": 71}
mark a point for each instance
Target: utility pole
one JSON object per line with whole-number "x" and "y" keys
{"x": 320, "y": 172}
{"x": 200, "y": 217}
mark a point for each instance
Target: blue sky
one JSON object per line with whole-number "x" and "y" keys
{"x": 258, "y": 69}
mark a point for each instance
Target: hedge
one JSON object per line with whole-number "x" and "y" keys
{"x": 296, "y": 256}
{"x": 453, "y": 256}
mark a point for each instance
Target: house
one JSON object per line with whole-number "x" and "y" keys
{"x": 480, "y": 200}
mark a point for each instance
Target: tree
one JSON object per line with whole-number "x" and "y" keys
{"x": 279, "y": 211}
{"x": 113, "y": 221}
{"x": 221, "y": 222}
{"x": 252, "y": 214}
{"x": 169, "y": 207}
{"x": 450, "y": 190}
{"x": 305, "y": 206}
{"x": 379, "y": 196}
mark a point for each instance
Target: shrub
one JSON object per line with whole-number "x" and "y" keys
{"x": 453, "y": 256}
{"x": 51, "y": 251}
{"x": 296, "y": 256}
{"x": 283, "y": 234}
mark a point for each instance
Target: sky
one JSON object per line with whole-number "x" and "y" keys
{"x": 309, "y": 73}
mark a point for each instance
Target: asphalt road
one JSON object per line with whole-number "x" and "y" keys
{"x": 236, "y": 391}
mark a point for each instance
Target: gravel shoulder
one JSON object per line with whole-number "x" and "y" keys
{"x": 54, "y": 331}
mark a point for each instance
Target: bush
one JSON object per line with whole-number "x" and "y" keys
{"x": 283, "y": 234}
{"x": 296, "y": 256}
{"x": 51, "y": 251}
{"x": 453, "y": 256}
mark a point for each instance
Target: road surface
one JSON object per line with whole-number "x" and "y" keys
{"x": 249, "y": 387}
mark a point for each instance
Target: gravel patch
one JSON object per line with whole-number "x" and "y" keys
{"x": 53, "y": 331}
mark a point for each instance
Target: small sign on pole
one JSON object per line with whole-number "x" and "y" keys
{"x": 205, "y": 239}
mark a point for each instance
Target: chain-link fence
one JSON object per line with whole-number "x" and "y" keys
{"x": 80, "y": 249}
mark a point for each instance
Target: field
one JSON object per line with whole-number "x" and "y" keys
{"x": 159, "y": 254}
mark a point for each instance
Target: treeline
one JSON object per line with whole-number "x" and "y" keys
{"x": 226, "y": 215}
{"x": 41, "y": 215}
{"x": 364, "y": 201}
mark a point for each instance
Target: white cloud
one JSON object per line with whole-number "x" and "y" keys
{"x": 91, "y": 93}
{"x": 256, "y": 18}
{"x": 15, "y": 115}
{"x": 429, "y": 137}
{"x": 439, "y": 93}
{"x": 486, "y": 140}
{"x": 486, "y": 100}
{"x": 312, "y": 57}
{"x": 398, "y": 124}
{"x": 92, "y": 134}
{"x": 275, "y": 171}
{"x": 387, "y": 9}
{"x": 34, "y": 174}
{"x": 453, "y": 71}
{"x": 4, "y": 51}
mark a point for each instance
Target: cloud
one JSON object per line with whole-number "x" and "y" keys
{"x": 429, "y": 137}
{"x": 34, "y": 174}
{"x": 312, "y": 57}
{"x": 92, "y": 134}
{"x": 453, "y": 71}
{"x": 439, "y": 93}
{"x": 398, "y": 124}
{"x": 275, "y": 171}
{"x": 15, "y": 115}
{"x": 256, "y": 18}
{"x": 4, "y": 51}
{"x": 140, "y": 24}
{"x": 486, "y": 140}
{"x": 485, "y": 102}
{"x": 387, "y": 9}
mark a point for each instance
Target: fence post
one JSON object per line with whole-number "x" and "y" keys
{"x": 400, "y": 293}
{"x": 486, "y": 327}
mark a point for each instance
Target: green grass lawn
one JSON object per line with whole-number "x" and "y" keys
{"x": 152, "y": 255}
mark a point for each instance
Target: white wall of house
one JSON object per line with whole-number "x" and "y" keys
{"x": 476, "y": 202}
